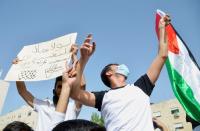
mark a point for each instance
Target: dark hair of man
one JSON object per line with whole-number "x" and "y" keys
{"x": 55, "y": 97}
{"x": 104, "y": 78}
{"x": 78, "y": 125}
{"x": 17, "y": 126}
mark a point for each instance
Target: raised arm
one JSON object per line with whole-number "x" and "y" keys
{"x": 82, "y": 87}
{"x": 74, "y": 51}
{"x": 23, "y": 92}
{"x": 83, "y": 96}
{"x": 157, "y": 64}
{"x": 62, "y": 104}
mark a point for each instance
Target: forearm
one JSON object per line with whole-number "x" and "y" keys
{"x": 82, "y": 87}
{"x": 21, "y": 87}
{"x": 24, "y": 93}
{"x": 84, "y": 97}
{"x": 74, "y": 58}
{"x": 80, "y": 67}
{"x": 63, "y": 99}
{"x": 158, "y": 63}
{"x": 163, "y": 43}
{"x": 79, "y": 94}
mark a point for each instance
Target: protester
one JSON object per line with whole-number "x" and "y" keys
{"x": 46, "y": 108}
{"x": 124, "y": 106}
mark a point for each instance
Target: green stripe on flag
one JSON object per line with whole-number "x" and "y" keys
{"x": 183, "y": 92}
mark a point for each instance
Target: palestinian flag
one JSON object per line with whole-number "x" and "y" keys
{"x": 183, "y": 71}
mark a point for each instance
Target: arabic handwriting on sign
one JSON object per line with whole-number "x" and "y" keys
{"x": 27, "y": 74}
{"x": 53, "y": 68}
{"x": 39, "y": 49}
{"x": 40, "y": 61}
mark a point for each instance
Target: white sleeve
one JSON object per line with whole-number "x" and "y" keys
{"x": 37, "y": 104}
{"x": 56, "y": 118}
{"x": 72, "y": 112}
{"x": 77, "y": 111}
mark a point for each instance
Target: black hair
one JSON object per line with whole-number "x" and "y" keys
{"x": 55, "y": 96}
{"x": 78, "y": 125}
{"x": 17, "y": 126}
{"x": 104, "y": 78}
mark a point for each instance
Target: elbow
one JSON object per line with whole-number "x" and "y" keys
{"x": 83, "y": 86}
{"x": 21, "y": 92}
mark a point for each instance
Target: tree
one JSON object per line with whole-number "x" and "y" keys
{"x": 97, "y": 119}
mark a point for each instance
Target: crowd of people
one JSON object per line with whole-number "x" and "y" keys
{"x": 124, "y": 107}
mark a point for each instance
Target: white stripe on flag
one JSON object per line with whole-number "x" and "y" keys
{"x": 183, "y": 64}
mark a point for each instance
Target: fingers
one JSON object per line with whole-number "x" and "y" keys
{"x": 73, "y": 73}
{"x": 88, "y": 39}
{"x": 74, "y": 46}
{"x": 15, "y": 61}
{"x": 85, "y": 50}
{"x": 74, "y": 49}
{"x": 167, "y": 19}
{"x": 72, "y": 70}
{"x": 67, "y": 68}
{"x": 75, "y": 64}
{"x": 93, "y": 46}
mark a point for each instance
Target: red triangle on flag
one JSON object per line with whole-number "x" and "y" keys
{"x": 171, "y": 34}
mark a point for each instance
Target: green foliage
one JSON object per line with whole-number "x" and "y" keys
{"x": 97, "y": 119}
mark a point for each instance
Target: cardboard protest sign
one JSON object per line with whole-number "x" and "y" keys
{"x": 42, "y": 61}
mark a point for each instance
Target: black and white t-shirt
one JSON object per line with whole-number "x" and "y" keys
{"x": 127, "y": 108}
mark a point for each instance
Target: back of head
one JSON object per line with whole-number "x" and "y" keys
{"x": 78, "y": 125}
{"x": 104, "y": 78}
{"x": 17, "y": 126}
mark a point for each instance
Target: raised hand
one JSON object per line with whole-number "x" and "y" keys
{"x": 16, "y": 61}
{"x": 72, "y": 71}
{"x": 164, "y": 21}
{"x": 74, "y": 49}
{"x": 87, "y": 49}
{"x": 69, "y": 76}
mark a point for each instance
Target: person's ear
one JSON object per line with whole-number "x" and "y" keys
{"x": 109, "y": 73}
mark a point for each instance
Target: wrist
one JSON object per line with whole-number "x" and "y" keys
{"x": 162, "y": 27}
{"x": 84, "y": 59}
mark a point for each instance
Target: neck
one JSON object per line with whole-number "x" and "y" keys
{"x": 118, "y": 83}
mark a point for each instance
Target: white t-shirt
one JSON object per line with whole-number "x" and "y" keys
{"x": 127, "y": 108}
{"x": 48, "y": 117}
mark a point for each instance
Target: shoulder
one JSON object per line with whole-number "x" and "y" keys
{"x": 145, "y": 84}
{"x": 99, "y": 98}
{"x": 46, "y": 102}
